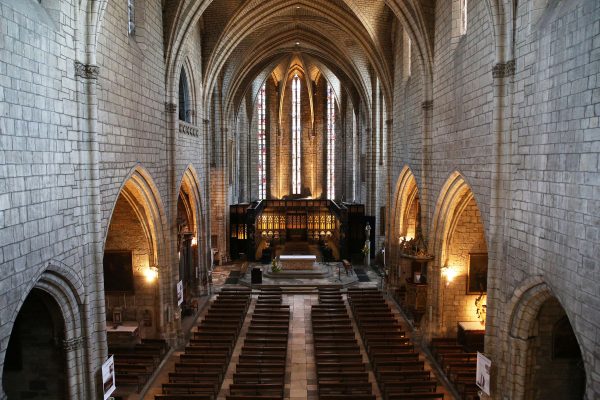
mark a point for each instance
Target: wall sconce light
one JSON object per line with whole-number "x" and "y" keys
{"x": 449, "y": 273}
{"x": 194, "y": 241}
{"x": 151, "y": 274}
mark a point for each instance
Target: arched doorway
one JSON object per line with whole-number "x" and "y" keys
{"x": 35, "y": 363}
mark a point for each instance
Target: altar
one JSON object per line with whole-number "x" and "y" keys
{"x": 297, "y": 262}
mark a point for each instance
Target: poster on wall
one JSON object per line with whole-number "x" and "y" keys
{"x": 108, "y": 377}
{"x": 179, "y": 293}
{"x": 483, "y": 373}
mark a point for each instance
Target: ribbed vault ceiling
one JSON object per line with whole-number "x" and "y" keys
{"x": 244, "y": 42}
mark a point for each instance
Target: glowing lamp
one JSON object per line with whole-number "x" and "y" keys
{"x": 151, "y": 274}
{"x": 449, "y": 273}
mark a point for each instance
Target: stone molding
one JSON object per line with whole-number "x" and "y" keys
{"x": 86, "y": 71}
{"x": 427, "y": 105}
{"x": 72, "y": 344}
{"x": 188, "y": 129}
{"x": 504, "y": 70}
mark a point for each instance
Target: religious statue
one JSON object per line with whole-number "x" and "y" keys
{"x": 367, "y": 248}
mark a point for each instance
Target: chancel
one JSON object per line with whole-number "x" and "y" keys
{"x": 307, "y": 199}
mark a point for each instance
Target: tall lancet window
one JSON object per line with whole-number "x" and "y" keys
{"x": 262, "y": 145}
{"x": 463, "y": 17}
{"x": 330, "y": 143}
{"x": 296, "y": 136}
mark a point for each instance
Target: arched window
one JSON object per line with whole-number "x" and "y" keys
{"x": 296, "y": 137}
{"x": 330, "y": 143}
{"x": 262, "y": 145}
{"x": 185, "y": 113}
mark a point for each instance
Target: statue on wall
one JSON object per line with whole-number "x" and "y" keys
{"x": 367, "y": 247}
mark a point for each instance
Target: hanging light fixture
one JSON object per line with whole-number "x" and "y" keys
{"x": 416, "y": 247}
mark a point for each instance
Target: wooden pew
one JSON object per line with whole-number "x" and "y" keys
{"x": 198, "y": 376}
{"x": 191, "y": 388}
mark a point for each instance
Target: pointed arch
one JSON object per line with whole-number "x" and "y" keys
{"x": 66, "y": 289}
{"x": 524, "y": 310}
{"x": 142, "y": 198}
{"x": 142, "y": 194}
{"x": 405, "y": 195}
{"x": 454, "y": 197}
{"x": 457, "y": 238}
{"x": 190, "y": 184}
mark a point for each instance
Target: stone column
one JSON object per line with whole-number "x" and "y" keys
{"x": 86, "y": 76}
{"x": 503, "y": 75}
{"x": 389, "y": 125}
{"x": 207, "y": 240}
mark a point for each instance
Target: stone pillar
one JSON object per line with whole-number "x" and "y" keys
{"x": 389, "y": 124}
{"x": 86, "y": 76}
{"x": 73, "y": 351}
{"x": 503, "y": 74}
{"x": 207, "y": 240}
{"x": 427, "y": 107}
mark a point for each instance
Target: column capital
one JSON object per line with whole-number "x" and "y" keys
{"x": 72, "y": 344}
{"x": 504, "y": 70}
{"x": 86, "y": 71}
{"x": 171, "y": 107}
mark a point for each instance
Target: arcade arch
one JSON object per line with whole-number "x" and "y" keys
{"x": 190, "y": 238}
{"x": 544, "y": 351}
{"x": 46, "y": 355}
{"x": 134, "y": 269}
{"x": 35, "y": 366}
{"x": 404, "y": 221}
{"x": 459, "y": 276}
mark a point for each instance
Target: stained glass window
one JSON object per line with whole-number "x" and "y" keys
{"x": 330, "y": 143}
{"x": 296, "y": 136}
{"x": 262, "y": 146}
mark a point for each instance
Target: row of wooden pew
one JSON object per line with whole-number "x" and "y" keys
{"x": 397, "y": 366}
{"x": 458, "y": 364}
{"x": 200, "y": 370}
{"x": 135, "y": 364}
{"x": 260, "y": 371}
{"x": 341, "y": 372}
